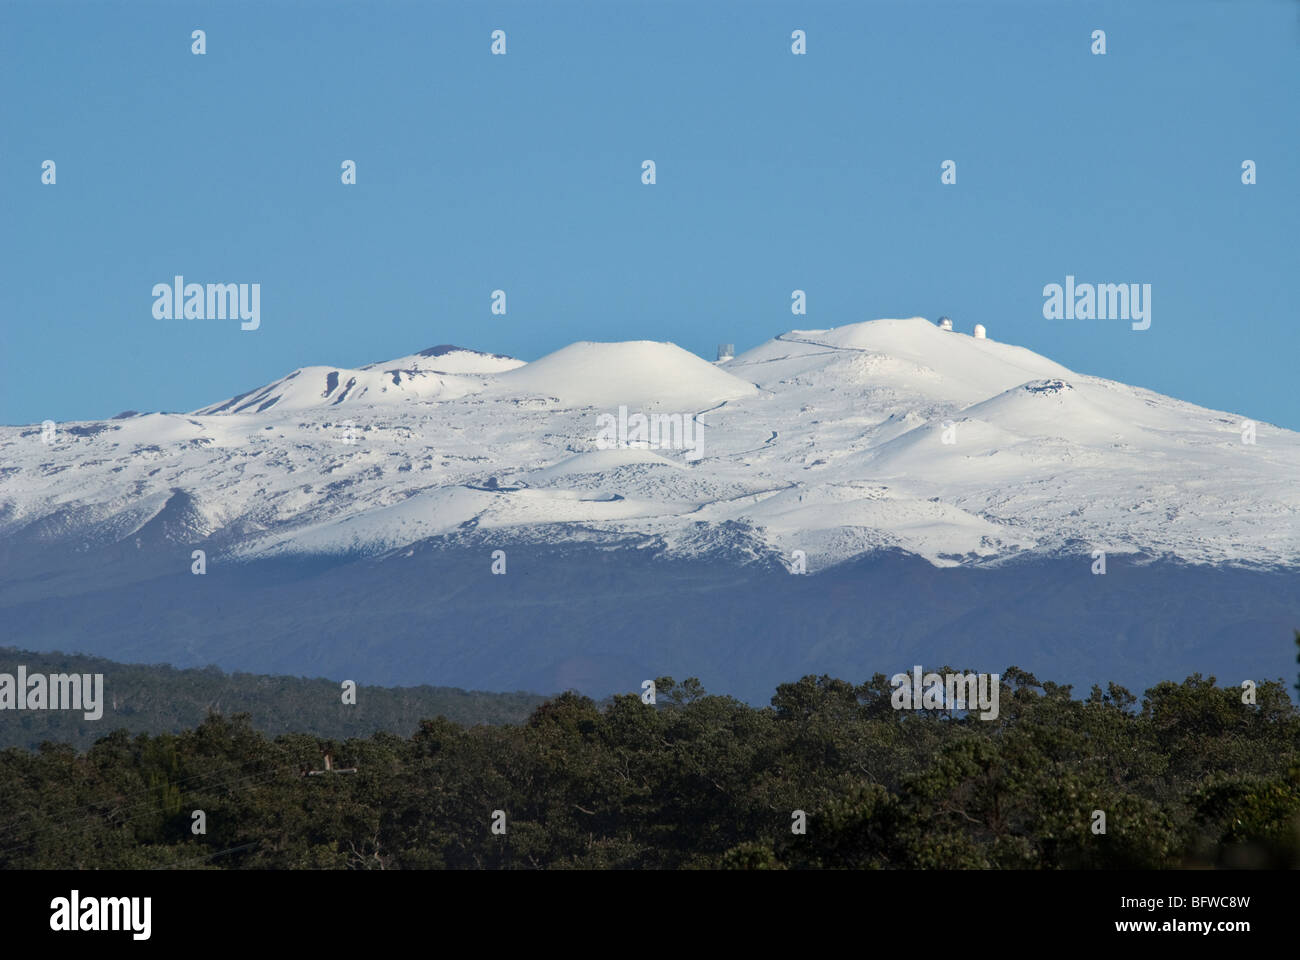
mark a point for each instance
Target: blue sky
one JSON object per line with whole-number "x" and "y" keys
{"x": 775, "y": 172}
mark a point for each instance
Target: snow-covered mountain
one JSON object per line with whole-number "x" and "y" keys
{"x": 350, "y": 519}
{"x": 889, "y": 434}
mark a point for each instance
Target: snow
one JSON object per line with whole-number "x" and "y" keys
{"x": 450, "y": 359}
{"x": 600, "y": 462}
{"x": 444, "y": 373}
{"x": 311, "y": 387}
{"x": 826, "y": 441}
{"x": 638, "y": 374}
{"x": 898, "y": 352}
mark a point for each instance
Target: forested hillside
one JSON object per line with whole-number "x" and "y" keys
{"x": 162, "y": 699}
{"x": 1189, "y": 776}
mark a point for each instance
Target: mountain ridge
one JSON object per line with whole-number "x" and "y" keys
{"x": 885, "y": 434}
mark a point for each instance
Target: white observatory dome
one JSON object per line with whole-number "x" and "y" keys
{"x": 980, "y": 332}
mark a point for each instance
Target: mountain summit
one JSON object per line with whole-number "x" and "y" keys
{"x": 888, "y": 434}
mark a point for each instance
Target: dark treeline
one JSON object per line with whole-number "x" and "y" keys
{"x": 163, "y": 699}
{"x": 1191, "y": 776}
